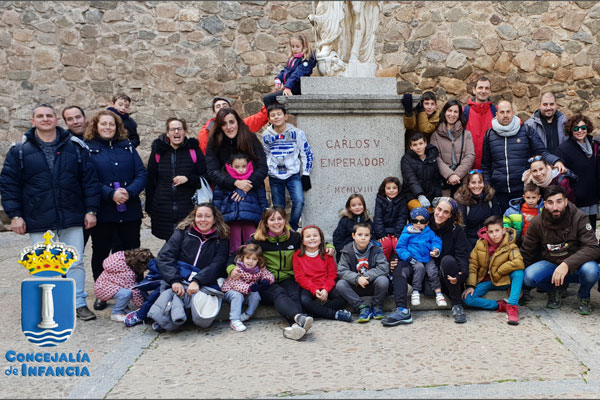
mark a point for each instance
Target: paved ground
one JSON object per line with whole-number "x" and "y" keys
{"x": 551, "y": 354}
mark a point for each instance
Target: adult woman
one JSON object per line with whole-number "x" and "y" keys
{"x": 476, "y": 202}
{"x": 174, "y": 170}
{"x": 579, "y": 153}
{"x": 279, "y": 243}
{"x": 122, "y": 178}
{"x": 543, "y": 175}
{"x": 201, "y": 240}
{"x": 455, "y": 145}
{"x": 230, "y": 135}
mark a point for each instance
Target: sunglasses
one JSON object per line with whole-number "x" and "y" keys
{"x": 418, "y": 221}
{"x": 580, "y": 128}
{"x": 475, "y": 171}
{"x": 536, "y": 158}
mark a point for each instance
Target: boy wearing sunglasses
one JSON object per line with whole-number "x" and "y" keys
{"x": 416, "y": 246}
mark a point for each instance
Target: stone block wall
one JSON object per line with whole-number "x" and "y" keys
{"x": 173, "y": 57}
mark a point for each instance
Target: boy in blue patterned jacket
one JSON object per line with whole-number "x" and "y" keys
{"x": 290, "y": 161}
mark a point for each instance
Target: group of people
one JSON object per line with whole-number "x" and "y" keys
{"x": 486, "y": 202}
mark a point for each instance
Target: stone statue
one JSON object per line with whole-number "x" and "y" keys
{"x": 345, "y": 36}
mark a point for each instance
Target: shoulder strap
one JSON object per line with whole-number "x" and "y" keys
{"x": 19, "y": 147}
{"x": 462, "y": 146}
{"x": 157, "y": 157}
{"x": 193, "y": 155}
{"x": 466, "y": 111}
{"x": 493, "y": 110}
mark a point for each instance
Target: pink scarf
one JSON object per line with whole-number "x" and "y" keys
{"x": 236, "y": 175}
{"x": 528, "y": 177}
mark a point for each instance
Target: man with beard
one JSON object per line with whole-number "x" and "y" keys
{"x": 548, "y": 123}
{"x": 561, "y": 248}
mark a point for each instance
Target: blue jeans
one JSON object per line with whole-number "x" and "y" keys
{"x": 122, "y": 297}
{"x": 476, "y": 299}
{"x": 71, "y": 237}
{"x": 294, "y": 186}
{"x": 236, "y": 299}
{"x": 539, "y": 275}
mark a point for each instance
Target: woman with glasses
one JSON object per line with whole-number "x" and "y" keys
{"x": 476, "y": 201}
{"x": 580, "y": 155}
{"x": 174, "y": 170}
{"x": 542, "y": 174}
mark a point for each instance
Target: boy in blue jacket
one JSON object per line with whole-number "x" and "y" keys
{"x": 417, "y": 245}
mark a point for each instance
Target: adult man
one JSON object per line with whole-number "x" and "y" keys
{"x": 548, "y": 122}
{"x": 255, "y": 122}
{"x": 48, "y": 183}
{"x": 561, "y": 248}
{"x": 507, "y": 148}
{"x": 479, "y": 113}
{"x": 75, "y": 119}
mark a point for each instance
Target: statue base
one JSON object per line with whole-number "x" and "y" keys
{"x": 361, "y": 70}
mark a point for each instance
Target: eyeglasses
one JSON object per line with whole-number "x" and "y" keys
{"x": 176, "y": 130}
{"x": 418, "y": 221}
{"x": 536, "y": 158}
{"x": 580, "y": 128}
{"x": 475, "y": 171}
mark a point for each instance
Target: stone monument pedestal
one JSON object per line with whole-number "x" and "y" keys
{"x": 356, "y": 132}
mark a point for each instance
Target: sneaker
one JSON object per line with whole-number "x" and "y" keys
{"x": 554, "y": 299}
{"x": 294, "y": 332}
{"x": 415, "y": 298}
{"x": 440, "y": 300}
{"x": 365, "y": 313}
{"x": 584, "y": 306}
{"x": 377, "y": 313}
{"x": 398, "y": 316}
{"x": 132, "y": 319}
{"x": 525, "y": 296}
{"x": 237, "y": 325}
{"x": 459, "y": 314}
{"x": 118, "y": 317}
{"x": 343, "y": 315}
{"x": 85, "y": 314}
{"x": 100, "y": 305}
{"x": 304, "y": 321}
{"x": 156, "y": 327}
{"x": 502, "y": 305}
{"x": 244, "y": 317}
{"x": 512, "y": 313}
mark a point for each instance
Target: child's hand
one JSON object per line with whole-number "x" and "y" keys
{"x": 287, "y": 92}
{"x": 435, "y": 252}
{"x": 278, "y": 84}
{"x": 363, "y": 281}
{"x": 452, "y": 280}
{"x": 236, "y": 273}
{"x": 329, "y": 251}
{"x": 393, "y": 264}
{"x": 468, "y": 291}
{"x": 322, "y": 295}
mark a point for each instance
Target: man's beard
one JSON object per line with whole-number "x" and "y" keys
{"x": 554, "y": 218}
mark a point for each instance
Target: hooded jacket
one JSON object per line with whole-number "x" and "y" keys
{"x": 463, "y": 149}
{"x": 536, "y": 125}
{"x": 454, "y": 243}
{"x": 417, "y": 245}
{"x": 288, "y": 153}
{"x": 475, "y": 210}
{"x": 130, "y": 125}
{"x": 421, "y": 177}
{"x": 116, "y": 275}
{"x": 390, "y": 216}
{"x": 506, "y": 259}
{"x": 571, "y": 240}
{"x": 347, "y": 267}
{"x": 294, "y": 70}
{"x": 513, "y": 216}
{"x": 421, "y": 122}
{"x": 479, "y": 119}
{"x": 342, "y": 235}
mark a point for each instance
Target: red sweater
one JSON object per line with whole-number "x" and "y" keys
{"x": 314, "y": 273}
{"x": 480, "y": 120}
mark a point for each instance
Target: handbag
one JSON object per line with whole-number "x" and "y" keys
{"x": 203, "y": 194}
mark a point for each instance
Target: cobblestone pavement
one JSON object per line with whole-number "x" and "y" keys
{"x": 552, "y": 353}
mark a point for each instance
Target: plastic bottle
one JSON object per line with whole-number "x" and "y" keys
{"x": 122, "y": 207}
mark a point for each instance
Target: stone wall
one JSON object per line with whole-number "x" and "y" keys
{"x": 173, "y": 57}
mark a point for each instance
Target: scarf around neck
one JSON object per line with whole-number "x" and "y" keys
{"x": 550, "y": 174}
{"x": 509, "y": 130}
{"x": 236, "y": 175}
{"x": 586, "y": 147}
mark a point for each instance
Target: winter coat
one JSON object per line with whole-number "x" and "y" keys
{"x": 342, "y": 235}
{"x": 49, "y": 199}
{"x": 130, "y": 125}
{"x": 208, "y": 253}
{"x": 118, "y": 161}
{"x": 289, "y": 148}
{"x": 347, "y": 267}
{"x": 421, "y": 177}
{"x": 421, "y": 122}
{"x": 255, "y": 123}
{"x": 417, "y": 245}
{"x": 315, "y": 273}
{"x": 513, "y": 216}
{"x": 462, "y": 147}
{"x": 390, "y": 216}
{"x": 246, "y": 279}
{"x": 475, "y": 210}
{"x": 572, "y": 240}
{"x": 172, "y": 203}
{"x": 586, "y": 187}
{"x": 505, "y": 158}
{"x": 454, "y": 243}
{"x": 535, "y": 124}
{"x": 116, "y": 275}
{"x": 479, "y": 119}
{"x": 169, "y": 310}
{"x": 250, "y": 208}
{"x": 296, "y": 68}
{"x": 506, "y": 259}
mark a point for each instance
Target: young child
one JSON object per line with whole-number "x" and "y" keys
{"x": 122, "y": 270}
{"x": 301, "y": 63}
{"x": 290, "y": 161}
{"x": 252, "y": 277}
{"x": 521, "y": 210}
{"x": 421, "y": 179}
{"x": 425, "y": 118}
{"x": 242, "y": 216}
{"x": 316, "y": 272}
{"x": 363, "y": 271}
{"x": 495, "y": 264}
{"x": 354, "y": 213}
{"x": 416, "y": 246}
{"x": 391, "y": 214}
{"x": 120, "y": 105}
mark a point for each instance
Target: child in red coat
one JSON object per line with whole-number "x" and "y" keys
{"x": 315, "y": 272}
